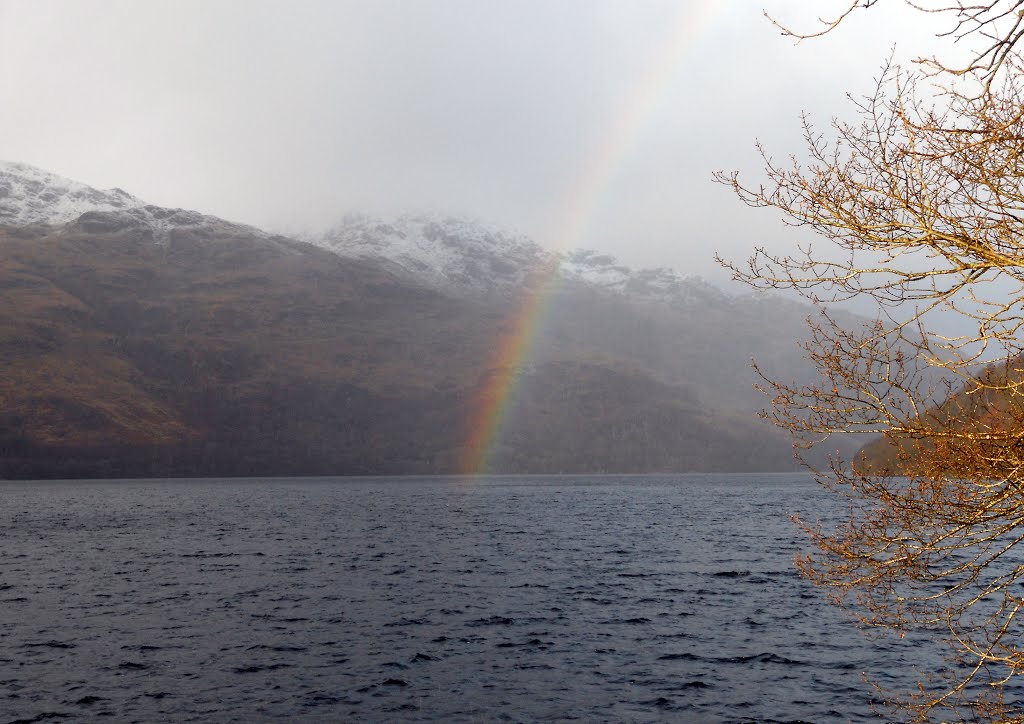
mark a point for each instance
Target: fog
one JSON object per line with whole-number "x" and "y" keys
{"x": 592, "y": 123}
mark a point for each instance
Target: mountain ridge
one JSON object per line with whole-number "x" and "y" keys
{"x": 143, "y": 341}
{"x": 30, "y": 195}
{"x": 453, "y": 253}
{"x": 457, "y": 253}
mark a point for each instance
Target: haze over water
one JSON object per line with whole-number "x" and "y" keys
{"x": 641, "y": 598}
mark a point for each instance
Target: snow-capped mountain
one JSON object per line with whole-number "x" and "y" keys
{"x": 30, "y": 195}
{"x": 469, "y": 257}
{"x": 187, "y": 345}
{"x": 660, "y": 284}
{"x": 448, "y": 253}
{"x": 453, "y": 254}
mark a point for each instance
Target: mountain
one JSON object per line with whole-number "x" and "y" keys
{"x": 144, "y": 341}
{"x": 29, "y": 196}
{"x": 678, "y": 329}
{"x": 971, "y": 430}
{"x": 468, "y": 257}
{"x": 453, "y": 255}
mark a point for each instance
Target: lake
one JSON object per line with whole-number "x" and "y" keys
{"x": 595, "y": 598}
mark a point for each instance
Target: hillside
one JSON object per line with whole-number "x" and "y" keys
{"x": 141, "y": 341}
{"x": 973, "y": 432}
{"x": 675, "y": 327}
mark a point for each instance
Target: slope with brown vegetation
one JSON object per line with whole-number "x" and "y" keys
{"x": 977, "y": 431}
{"x": 222, "y": 353}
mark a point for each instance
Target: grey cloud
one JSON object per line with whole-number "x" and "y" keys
{"x": 290, "y": 114}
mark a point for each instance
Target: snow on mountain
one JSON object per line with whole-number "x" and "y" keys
{"x": 453, "y": 254}
{"x": 29, "y": 195}
{"x": 470, "y": 257}
{"x": 660, "y": 284}
{"x": 446, "y": 252}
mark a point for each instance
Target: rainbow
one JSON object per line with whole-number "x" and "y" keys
{"x": 518, "y": 334}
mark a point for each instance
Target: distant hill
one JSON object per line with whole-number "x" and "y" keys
{"x": 973, "y": 431}
{"x": 143, "y": 341}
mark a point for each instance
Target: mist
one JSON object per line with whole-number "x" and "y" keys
{"x": 580, "y": 123}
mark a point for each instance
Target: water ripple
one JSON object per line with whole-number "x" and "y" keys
{"x": 502, "y": 599}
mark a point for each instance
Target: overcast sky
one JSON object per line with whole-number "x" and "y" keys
{"x": 591, "y": 123}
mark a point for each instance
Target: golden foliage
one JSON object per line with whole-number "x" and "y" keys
{"x": 921, "y": 203}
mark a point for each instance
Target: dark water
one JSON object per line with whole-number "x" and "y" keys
{"x": 596, "y": 599}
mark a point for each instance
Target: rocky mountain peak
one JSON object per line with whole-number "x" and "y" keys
{"x": 660, "y": 284}
{"x": 451, "y": 253}
{"x": 457, "y": 255}
{"x": 30, "y": 195}
{"x": 468, "y": 257}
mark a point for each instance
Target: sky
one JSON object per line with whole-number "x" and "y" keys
{"x": 581, "y": 123}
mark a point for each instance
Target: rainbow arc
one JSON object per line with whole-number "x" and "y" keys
{"x": 518, "y": 334}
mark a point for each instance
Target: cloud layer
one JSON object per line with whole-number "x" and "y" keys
{"x": 580, "y": 122}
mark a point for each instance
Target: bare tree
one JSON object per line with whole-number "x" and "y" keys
{"x": 921, "y": 203}
{"x": 993, "y": 27}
